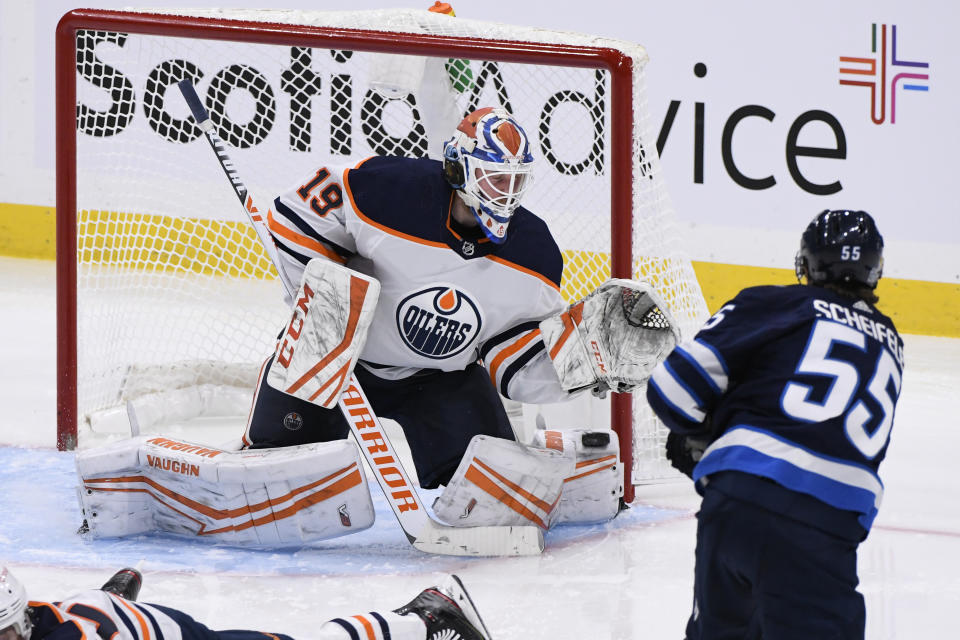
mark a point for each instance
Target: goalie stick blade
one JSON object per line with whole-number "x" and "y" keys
{"x": 480, "y": 541}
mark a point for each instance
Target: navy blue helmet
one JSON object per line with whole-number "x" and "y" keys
{"x": 842, "y": 247}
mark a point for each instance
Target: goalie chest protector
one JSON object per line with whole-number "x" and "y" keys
{"x": 442, "y": 295}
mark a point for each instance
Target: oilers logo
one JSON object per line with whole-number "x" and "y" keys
{"x": 438, "y": 322}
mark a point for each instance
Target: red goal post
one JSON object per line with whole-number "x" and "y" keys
{"x": 144, "y": 241}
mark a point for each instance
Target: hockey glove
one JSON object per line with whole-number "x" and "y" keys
{"x": 684, "y": 452}
{"x": 612, "y": 339}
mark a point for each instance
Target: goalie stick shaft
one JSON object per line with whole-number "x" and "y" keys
{"x": 422, "y": 531}
{"x": 219, "y": 149}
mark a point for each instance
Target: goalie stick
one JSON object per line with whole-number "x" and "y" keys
{"x": 422, "y": 531}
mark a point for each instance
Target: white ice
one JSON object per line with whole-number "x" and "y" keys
{"x": 631, "y": 578}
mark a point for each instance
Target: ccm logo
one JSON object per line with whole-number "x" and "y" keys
{"x": 295, "y": 328}
{"x": 598, "y": 356}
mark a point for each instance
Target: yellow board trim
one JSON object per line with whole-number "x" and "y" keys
{"x": 916, "y": 306}
{"x": 28, "y": 231}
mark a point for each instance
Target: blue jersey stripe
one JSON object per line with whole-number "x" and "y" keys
{"x": 841, "y": 484}
{"x": 707, "y": 362}
{"x": 507, "y": 336}
{"x": 347, "y": 627}
{"x": 293, "y": 218}
{"x": 157, "y": 631}
{"x": 296, "y": 255}
{"x": 535, "y": 348}
{"x": 384, "y": 627}
{"x": 676, "y": 394}
{"x": 127, "y": 622}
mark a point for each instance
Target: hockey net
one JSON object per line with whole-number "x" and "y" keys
{"x": 168, "y": 305}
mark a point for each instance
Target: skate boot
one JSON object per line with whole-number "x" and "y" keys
{"x": 125, "y": 583}
{"x": 448, "y": 612}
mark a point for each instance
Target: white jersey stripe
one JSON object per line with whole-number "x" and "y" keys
{"x": 676, "y": 394}
{"x": 766, "y": 444}
{"x": 707, "y": 361}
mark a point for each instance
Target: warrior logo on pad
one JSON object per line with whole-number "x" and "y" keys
{"x": 438, "y": 322}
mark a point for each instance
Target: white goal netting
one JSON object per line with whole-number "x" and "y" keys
{"x": 176, "y": 303}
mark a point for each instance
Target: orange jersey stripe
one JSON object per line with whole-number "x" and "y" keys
{"x": 367, "y": 627}
{"x": 35, "y": 604}
{"x": 570, "y": 319}
{"x": 431, "y": 243}
{"x": 509, "y": 351}
{"x": 144, "y": 625}
{"x": 302, "y": 240}
{"x": 529, "y": 272}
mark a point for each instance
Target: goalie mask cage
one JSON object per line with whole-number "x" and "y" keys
{"x": 167, "y": 303}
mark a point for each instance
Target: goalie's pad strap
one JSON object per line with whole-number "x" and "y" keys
{"x": 319, "y": 350}
{"x": 592, "y": 492}
{"x": 280, "y": 496}
{"x": 500, "y": 482}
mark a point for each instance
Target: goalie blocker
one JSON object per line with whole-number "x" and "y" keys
{"x": 612, "y": 339}
{"x": 318, "y": 351}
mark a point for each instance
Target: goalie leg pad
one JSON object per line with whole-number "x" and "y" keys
{"x": 592, "y": 492}
{"x": 504, "y": 483}
{"x": 612, "y": 339}
{"x": 268, "y": 497}
{"x": 319, "y": 349}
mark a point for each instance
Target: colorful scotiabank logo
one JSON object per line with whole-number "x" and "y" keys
{"x": 884, "y": 73}
{"x": 438, "y": 322}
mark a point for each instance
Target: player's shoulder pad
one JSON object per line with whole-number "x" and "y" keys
{"x": 403, "y": 194}
{"x": 765, "y": 306}
{"x": 531, "y": 245}
{"x": 772, "y": 295}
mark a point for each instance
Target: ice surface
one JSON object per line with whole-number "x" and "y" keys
{"x": 630, "y": 578}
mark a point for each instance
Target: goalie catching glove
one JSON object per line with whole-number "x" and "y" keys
{"x": 317, "y": 353}
{"x": 612, "y": 339}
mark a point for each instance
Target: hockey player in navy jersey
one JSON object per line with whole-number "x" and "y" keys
{"x": 445, "y": 612}
{"x": 469, "y": 305}
{"x": 780, "y": 409}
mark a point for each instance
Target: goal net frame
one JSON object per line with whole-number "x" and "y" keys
{"x": 621, "y": 153}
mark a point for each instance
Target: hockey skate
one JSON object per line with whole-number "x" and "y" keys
{"x": 124, "y": 583}
{"x": 448, "y": 612}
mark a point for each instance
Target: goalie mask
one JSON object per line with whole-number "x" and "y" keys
{"x": 14, "y": 622}
{"x": 488, "y": 162}
{"x": 843, "y": 247}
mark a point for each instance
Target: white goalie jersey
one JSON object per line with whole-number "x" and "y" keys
{"x": 446, "y": 300}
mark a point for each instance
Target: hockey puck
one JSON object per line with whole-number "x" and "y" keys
{"x": 595, "y": 439}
